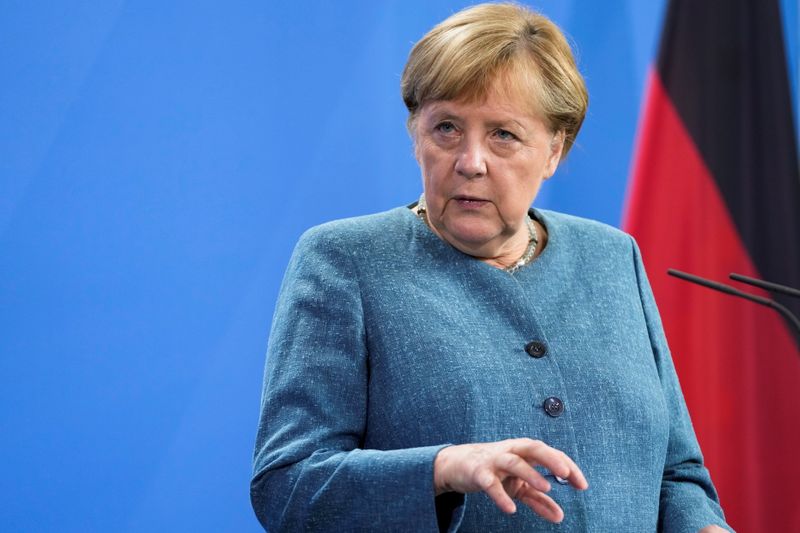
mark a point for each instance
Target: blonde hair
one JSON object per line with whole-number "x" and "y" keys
{"x": 464, "y": 55}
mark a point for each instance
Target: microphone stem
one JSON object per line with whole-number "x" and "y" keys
{"x": 766, "y": 285}
{"x": 727, "y": 289}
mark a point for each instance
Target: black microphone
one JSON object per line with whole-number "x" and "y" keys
{"x": 727, "y": 289}
{"x": 766, "y": 285}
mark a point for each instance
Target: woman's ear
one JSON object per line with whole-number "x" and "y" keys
{"x": 411, "y": 127}
{"x": 556, "y": 149}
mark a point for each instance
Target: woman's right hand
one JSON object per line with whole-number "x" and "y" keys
{"x": 504, "y": 471}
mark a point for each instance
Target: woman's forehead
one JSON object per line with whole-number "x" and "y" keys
{"x": 509, "y": 100}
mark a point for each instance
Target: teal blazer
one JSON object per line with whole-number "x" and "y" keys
{"x": 388, "y": 343}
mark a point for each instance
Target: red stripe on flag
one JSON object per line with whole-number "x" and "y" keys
{"x": 738, "y": 365}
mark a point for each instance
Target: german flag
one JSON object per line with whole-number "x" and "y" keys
{"x": 715, "y": 188}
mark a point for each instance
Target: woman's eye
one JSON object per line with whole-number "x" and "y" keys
{"x": 445, "y": 127}
{"x": 505, "y": 135}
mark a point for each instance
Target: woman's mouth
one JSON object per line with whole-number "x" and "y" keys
{"x": 470, "y": 202}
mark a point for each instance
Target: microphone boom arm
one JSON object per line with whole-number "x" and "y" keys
{"x": 727, "y": 289}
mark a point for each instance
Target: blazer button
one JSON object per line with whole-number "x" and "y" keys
{"x": 536, "y": 349}
{"x": 553, "y": 406}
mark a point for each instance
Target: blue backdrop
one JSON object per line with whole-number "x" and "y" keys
{"x": 158, "y": 160}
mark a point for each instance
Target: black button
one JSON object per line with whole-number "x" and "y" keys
{"x": 536, "y": 349}
{"x": 553, "y": 406}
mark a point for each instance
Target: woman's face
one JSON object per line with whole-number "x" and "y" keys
{"x": 482, "y": 165}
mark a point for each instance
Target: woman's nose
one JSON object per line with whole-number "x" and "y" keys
{"x": 471, "y": 161}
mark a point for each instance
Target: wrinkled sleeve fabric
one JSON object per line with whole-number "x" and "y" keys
{"x": 310, "y": 470}
{"x": 688, "y": 500}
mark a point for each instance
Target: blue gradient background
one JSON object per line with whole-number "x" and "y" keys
{"x": 158, "y": 161}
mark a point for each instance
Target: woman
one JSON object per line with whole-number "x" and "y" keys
{"x": 428, "y": 366}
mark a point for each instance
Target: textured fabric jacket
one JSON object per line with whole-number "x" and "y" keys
{"x": 387, "y": 344}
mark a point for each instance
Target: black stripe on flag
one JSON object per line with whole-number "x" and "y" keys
{"x": 724, "y": 66}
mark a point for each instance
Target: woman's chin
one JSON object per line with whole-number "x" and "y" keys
{"x": 473, "y": 239}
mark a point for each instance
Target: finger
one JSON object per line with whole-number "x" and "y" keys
{"x": 543, "y": 505}
{"x": 513, "y": 486}
{"x": 514, "y": 465}
{"x": 559, "y": 463}
{"x": 491, "y": 485}
{"x": 572, "y": 473}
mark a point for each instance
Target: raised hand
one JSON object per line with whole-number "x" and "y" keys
{"x": 504, "y": 471}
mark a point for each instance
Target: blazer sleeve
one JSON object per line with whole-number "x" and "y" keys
{"x": 688, "y": 499}
{"x": 310, "y": 472}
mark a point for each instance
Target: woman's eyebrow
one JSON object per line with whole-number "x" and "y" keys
{"x": 440, "y": 114}
{"x": 509, "y": 124}
{"x": 505, "y": 123}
